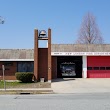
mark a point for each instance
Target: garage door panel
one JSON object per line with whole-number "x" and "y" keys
{"x": 99, "y": 74}
{"x": 101, "y": 63}
{"x": 108, "y": 74}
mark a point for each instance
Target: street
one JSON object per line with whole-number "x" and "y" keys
{"x": 85, "y": 101}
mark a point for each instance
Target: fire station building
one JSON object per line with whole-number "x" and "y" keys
{"x": 88, "y": 60}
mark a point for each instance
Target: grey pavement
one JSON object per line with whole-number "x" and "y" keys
{"x": 81, "y": 85}
{"x": 26, "y": 91}
{"x": 70, "y": 85}
{"x": 94, "y": 101}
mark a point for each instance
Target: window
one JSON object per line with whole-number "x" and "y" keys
{"x": 8, "y": 63}
{"x": 102, "y": 68}
{"x": 96, "y": 68}
{"x": 25, "y": 66}
{"x": 89, "y": 68}
{"x": 7, "y": 69}
{"x": 107, "y": 68}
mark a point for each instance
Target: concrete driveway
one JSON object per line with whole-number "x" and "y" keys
{"x": 76, "y": 85}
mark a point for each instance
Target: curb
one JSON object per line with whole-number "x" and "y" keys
{"x": 26, "y": 92}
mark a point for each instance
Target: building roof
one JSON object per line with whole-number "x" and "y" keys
{"x": 16, "y": 54}
{"x": 80, "y": 48}
{"x": 29, "y": 53}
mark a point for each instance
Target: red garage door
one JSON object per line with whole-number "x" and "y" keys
{"x": 98, "y": 67}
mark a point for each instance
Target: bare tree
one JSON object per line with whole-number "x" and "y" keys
{"x": 1, "y": 20}
{"x": 89, "y": 32}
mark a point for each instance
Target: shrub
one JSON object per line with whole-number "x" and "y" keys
{"x": 25, "y": 77}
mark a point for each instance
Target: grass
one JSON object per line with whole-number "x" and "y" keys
{"x": 12, "y": 84}
{"x": 16, "y": 84}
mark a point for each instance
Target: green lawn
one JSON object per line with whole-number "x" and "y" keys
{"x": 14, "y": 84}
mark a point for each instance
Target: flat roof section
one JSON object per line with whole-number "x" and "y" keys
{"x": 56, "y": 50}
{"x": 80, "y": 47}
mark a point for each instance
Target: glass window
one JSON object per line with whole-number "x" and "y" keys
{"x": 107, "y": 68}
{"x": 8, "y": 63}
{"x": 102, "y": 68}
{"x": 89, "y": 68}
{"x": 96, "y": 68}
{"x": 25, "y": 67}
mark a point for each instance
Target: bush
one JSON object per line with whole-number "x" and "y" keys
{"x": 25, "y": 77}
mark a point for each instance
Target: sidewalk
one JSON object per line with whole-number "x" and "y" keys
{"x": 27, "y": 91}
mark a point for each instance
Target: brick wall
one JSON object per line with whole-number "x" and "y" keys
{"x": 49, "y": 56}
{"x": 9, "y": 71}
{"x": 42, "y": 67}
{"x": 43, "y": 63}
{"x": 54, "y": 67}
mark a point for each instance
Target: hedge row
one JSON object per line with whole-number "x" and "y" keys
{"x": 25, "y": 77}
